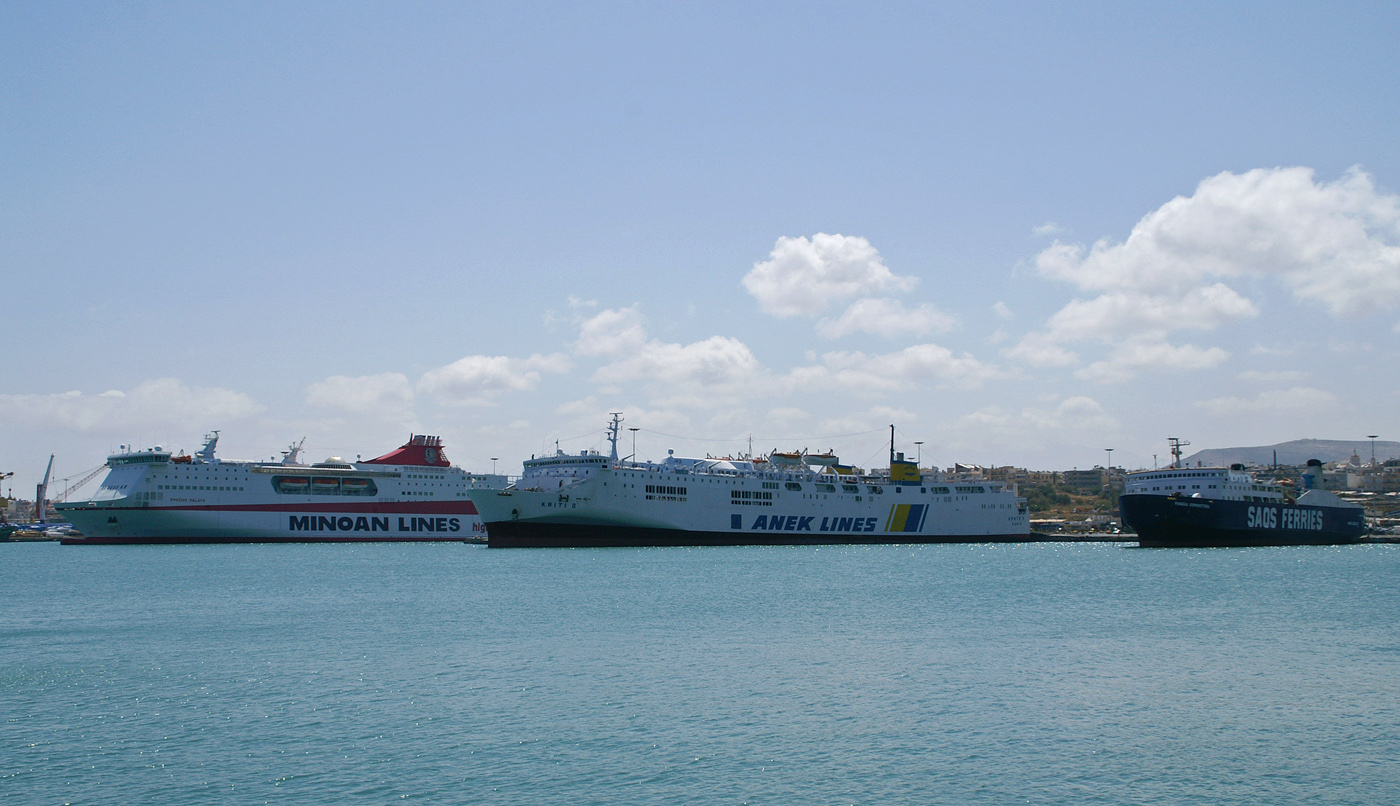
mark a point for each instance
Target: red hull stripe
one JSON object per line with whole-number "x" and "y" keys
{"x": 398, "y": 508}
{"x": 145, "y": 541}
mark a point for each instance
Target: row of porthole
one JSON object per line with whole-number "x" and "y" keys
{"x": 192, "y": 488}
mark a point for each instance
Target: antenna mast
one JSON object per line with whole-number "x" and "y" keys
{"x": 1176, "y": 445}
{"x": 612, "y": 433}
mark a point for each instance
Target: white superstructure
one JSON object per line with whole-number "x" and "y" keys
{"x": 1234, "y": 483}
{"x": 589, "y": 499}
{"x": 152, "y": 496}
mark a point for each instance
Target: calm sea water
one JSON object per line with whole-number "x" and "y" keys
{"x": 1044, "y": 674}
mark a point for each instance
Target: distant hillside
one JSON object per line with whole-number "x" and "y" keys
{"x": 1296, "y": 452}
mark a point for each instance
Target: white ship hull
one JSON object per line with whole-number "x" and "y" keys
{"x": 588, "y": 500}
{"x": 307, "y": 522}
{"x": 150, "y": 497}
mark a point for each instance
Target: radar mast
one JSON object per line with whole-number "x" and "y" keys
{"x": 1176, "y": 445}
{"x": 289, "y": 456}
{"x": 206, "y": 454}
{"x": 612, "y": 433}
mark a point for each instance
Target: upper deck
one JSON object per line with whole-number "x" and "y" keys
{"x": 1227, "y": 484}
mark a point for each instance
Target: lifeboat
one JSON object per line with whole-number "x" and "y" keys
{"x": 293, "y": 485}
{"x": 354, "y": 486}
{"x": 324, "y": 485}
{"x": 785, "y": 459}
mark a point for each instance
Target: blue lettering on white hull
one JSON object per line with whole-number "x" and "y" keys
{"x": 803, "y": 523}
{"x": 346, "y": 523}
{"x": 416, "y": 524}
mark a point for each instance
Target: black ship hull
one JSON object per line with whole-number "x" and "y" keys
{"x": 1170, "y": 522}
{"x": 520, "y": 534}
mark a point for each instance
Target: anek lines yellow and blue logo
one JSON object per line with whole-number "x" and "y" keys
{"x": 906, "y": 518}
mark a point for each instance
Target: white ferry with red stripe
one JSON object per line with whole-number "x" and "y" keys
{"x": 153, "y": 496}
{"x": 588, "y": 500}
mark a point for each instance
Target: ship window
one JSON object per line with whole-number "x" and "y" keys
{"x": 850, "y": 488}
{"x": 794, "y": 486}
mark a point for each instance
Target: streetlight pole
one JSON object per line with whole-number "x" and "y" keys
{"x": 919, "y": 450}
{"x": 1372, "y": 437}
{"x": 493, "y": 465}
{"x": 1108, "y": 470}
{"x": 634, "y": 441}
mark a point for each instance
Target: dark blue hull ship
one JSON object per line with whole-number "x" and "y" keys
{"x": 1214, "y": 506}
{"x": 1178, "y": 521}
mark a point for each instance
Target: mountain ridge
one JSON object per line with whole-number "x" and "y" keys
{"x": 1295, "y": 452}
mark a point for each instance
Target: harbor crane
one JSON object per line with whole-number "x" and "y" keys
{"x": 41, "y": 492}
{"x": 70, "y": 489}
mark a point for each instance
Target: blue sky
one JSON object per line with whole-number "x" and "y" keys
{"x": 798, "y": 222}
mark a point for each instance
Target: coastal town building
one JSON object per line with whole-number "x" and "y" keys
{"x": 1085, "y": 481}
{"x": 1009, "y": 474}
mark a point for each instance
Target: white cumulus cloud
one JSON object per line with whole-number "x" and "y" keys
{"x": 886, "y": 372}
{"x": 886, "y": 317}
{"x": 1041, "y": 350}
{"x": 612, "y": 332}
{"x": 1298, "y": 398}
{"x": 389, "y": 393}
{"x": 1336, "y": 243}
{"x": 478, "y": 379}
{"x": 1126, "y": 360}
{"x": 1333, "y": 244}
{"x": 1066, "y": 424}
{"x": 717, "y": 363}
{"x": 1273, "y": 376}
{"x": 687, "y": 375}
{"x": 161, "y": 404}
{"x": 1117, "y": 315}
{"x": 804, "y": 277}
